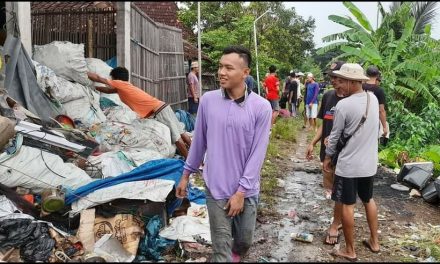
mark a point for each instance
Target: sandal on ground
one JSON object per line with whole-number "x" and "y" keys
{"x": 367, "y": 244}
{"x": 328, "y": 236}
{"x": 336, "y": 254}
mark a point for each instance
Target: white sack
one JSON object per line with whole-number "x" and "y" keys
{"x": 184, "y": 227}
{"x": 66, "y": 59}
{"x": 86, "y": 109}
{"x": 141, "y": 156}
{"x": 120, "y": 114}
{"x": 99, "y": 67}
{"x": 28, "y": 162}
{"x": 60, "y": 88}
{"x": 110, "y": 164}
{"x": 155, "y": 190}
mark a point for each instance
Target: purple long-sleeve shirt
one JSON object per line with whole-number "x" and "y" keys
{"x": 235, "y": 136}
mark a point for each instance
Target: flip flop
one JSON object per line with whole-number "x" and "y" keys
{"x": 330, "y": 236}
{"x": 335, "y": 254}
{"x": 367, "y": 244}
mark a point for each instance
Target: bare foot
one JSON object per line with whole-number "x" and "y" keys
{"x": 344, "y": 254}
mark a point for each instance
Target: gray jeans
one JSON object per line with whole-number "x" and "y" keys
{"x": 231, "y": 234}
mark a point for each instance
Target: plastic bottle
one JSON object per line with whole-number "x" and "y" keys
{"x": 305, "y": 237}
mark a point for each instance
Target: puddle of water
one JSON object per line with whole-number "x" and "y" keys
{"x": 304, "y": 195}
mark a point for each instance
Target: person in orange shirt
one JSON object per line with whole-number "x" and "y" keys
{"x": 145, "y": 105}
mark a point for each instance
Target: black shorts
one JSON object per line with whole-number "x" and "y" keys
{"x": 345, "y": 189}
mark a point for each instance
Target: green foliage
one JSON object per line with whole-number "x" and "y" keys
{"x": 409, "y": 61}
{"x": 283, "y": 37}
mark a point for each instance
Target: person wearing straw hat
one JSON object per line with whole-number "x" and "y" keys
{"x": 193, "y": 88}
{"x": 356, "y": 120}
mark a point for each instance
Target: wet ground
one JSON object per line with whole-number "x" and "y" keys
{"x": 301, "y": 207}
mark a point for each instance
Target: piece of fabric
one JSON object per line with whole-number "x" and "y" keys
{"x": 293, "y": 90}
{"x": 275, "y": 104}
{"x": 21, "y": 82}
{"x": 231, "y": 234}
{"x": 326, "y": 113}
{"x": 184, "y": 228}
{"x": 167, "y": 117}
{"x": 152, "y": 245}
{"x": 359, "y": 158}
{"x": 139, "y": 101}
{"x": 168, "y": 169}
{"x": 187, "y": 119}
{"x": 250, "y": 83}
{"x": 235, "y": 142}
{"x": 272, "y": 83}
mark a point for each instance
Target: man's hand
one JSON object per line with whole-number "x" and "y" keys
{"x": 235, "y": 204}
{"x": 181, "y": 188}
{"x": 327, "y": 166}
{"x": 385, "y": 131}
{"x": 326, "y": 141}
{"x": 309, "y": 153}
{"x": 311, "y": 104}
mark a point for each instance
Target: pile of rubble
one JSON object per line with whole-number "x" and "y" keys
{"x": 82, "y": 177}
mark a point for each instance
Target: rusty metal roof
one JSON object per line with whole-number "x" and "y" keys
{"x": 49, "y": 6}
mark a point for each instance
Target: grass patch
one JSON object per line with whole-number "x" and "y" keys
{"x": 284, "y": 133}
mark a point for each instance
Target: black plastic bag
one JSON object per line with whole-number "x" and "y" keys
{"x": 31, "y": 237}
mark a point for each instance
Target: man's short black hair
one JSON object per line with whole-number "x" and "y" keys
{"x": 373, "y": 71}
{"x": 292, "y": 74}
{"x": 272, "y": 69}
{"x": 243, "y": 52}
{"x": 120, "y": 73}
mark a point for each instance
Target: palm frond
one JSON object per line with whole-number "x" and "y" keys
{"x": 404, "y": 91}
{"x": 418, "y": 87}
{"x": 346, "y": 21}
{"x": 361, "y": 18}
{"x": 336, "y": 36}
{"x": 330, "y": 47}
{"x": 424, "y": 12}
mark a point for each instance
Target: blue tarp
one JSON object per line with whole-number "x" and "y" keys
{"x": 166, "y": 169}
{"x": 112, "y": 62}
{"x": 187, "y": 119}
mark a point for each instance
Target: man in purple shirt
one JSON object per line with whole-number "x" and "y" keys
{"x": 232, "y": 128}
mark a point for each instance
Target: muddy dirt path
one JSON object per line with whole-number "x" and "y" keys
{"x": 301, "y": 193}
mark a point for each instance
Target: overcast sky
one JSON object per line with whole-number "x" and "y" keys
{"x": 321, "y": 10}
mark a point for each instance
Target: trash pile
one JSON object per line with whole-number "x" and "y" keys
{"x": 418, "y": 177}
{"x": 82, "y": 177}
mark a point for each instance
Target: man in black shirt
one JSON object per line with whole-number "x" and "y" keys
{"x": 326, "y": 112}
{"x": 292, "y": 94}
{"x": 374, "y": 74}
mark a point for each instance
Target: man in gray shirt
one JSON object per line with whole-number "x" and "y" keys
{"x": 357, "y": 162}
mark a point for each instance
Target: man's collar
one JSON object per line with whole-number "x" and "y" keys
{"x": 240, "y": 101}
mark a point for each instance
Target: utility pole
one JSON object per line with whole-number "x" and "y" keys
{"x": 199, "y": 44}
{"x": 256, "y": 50}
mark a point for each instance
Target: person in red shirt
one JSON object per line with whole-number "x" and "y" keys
{"x": 145, "y": 105}
{"x": 272, "y": 86}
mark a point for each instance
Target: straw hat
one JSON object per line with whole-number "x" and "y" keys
{"x": 194, "y": 64}
{"x": 351, "y": 71}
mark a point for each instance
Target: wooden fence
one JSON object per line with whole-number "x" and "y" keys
{"x": 157, "y": 54}
{"x": 93, "y": 27}
{"x": 157, "y": 59}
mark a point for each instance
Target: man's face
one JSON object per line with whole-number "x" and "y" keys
{"x": 196, "y": 69}
{"x": 232, "y": 71}
{"x": 343, "y": 85}
{"x": 309, "y": 78}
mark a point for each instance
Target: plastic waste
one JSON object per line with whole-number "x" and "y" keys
{"x": 305, "y": 237}
{"x": 31, "y": 237}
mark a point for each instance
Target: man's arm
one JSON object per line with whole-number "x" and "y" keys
{"x": 383, "y": 119}
{"x": 96, "y": 78}
{"x": 196, "y": 151}
{"x": 312, "y": 144}
{"x": 338, "y": 127}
